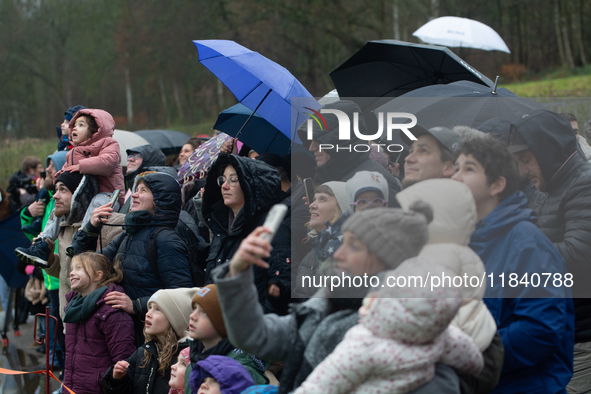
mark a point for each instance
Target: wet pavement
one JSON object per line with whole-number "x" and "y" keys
{"x": 20, "y": 355}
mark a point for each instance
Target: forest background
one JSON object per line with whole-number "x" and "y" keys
{"x": 135, "y": 58}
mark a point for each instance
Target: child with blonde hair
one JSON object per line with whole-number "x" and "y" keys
{"x": 97, "y": 335}
{"x": 148, "y": 369}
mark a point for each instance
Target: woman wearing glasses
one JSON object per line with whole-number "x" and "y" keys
{"x": 238, "y": 195}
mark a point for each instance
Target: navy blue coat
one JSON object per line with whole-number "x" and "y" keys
{"x": 139, "y": 281}
{"x": 537, "y": 333}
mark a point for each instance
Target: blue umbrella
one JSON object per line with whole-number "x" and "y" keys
{"x": 259, "y": 134}
{"x": 260, "y": 84}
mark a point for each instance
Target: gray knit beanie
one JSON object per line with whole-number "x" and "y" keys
{"x": 393, "y": 234}
{"x": 339, "y": 190}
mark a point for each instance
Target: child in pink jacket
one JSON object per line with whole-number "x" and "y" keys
{"x": 94, "y": 152}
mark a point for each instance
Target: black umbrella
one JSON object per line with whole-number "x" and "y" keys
{"x": 461, "y": 103}
{"x": 390, "y": 68}
{"x": 168, "y": 141}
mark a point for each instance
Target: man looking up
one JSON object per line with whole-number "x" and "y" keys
{"x": 431, "y": 156}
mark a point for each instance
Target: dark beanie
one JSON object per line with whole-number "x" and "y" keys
{"x": 69, "y": 114}
{"x": 70, "y": 179}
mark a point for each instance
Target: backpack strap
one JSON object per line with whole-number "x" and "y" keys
{"x": 153, "y": 251}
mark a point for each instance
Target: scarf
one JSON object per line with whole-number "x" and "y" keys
{"x": 81, "y": 308}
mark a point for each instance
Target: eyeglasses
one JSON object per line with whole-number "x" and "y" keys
{"x": 362, "y": 203}
{"x": 134, "y": 156}
{"x": 232, "y": 181}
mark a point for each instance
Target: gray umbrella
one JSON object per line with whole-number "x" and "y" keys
{"x": 168, "y": 141}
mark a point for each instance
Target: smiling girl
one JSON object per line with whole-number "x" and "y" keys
{"x": 148, "y": 370}
{"x": 97, "y": 335}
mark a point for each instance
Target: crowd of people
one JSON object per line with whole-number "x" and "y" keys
{"x": 163, "y": 288}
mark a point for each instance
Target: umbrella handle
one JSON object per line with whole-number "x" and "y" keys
{"x": 252, "y": 114}
{"x": 494, "y": 91}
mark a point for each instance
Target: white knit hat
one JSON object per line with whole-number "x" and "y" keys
{"x": 364, "y": 181}
{"x": 176, "y": 306}
{"x": 339, "y": 190}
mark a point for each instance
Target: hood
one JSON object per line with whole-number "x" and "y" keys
{"x": 104, "y": 121}
{"x": 508, "y": 213}
{"x": 412, "y": 314}
{"x": 81, "y": 198}
{"x": 551, "y": 139}
{"x": 343, "y": 161}
{"x": 58, "y": 158}
{"x": 260, "y": 183}
{"x": 454, "y": 209}
{"x": 167, "y": 196}
{"x": 151, "y": 157}
{"x": 231, "y": 375}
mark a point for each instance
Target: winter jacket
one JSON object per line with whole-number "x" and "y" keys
{"x": 565, "y": 217}
{"x": 302, "y": 339}
{"x": 397, "y": 342}
{"x": 537, "y": 333}
{"x": 138, "y": 379}
{"x": 95, "y": 344}
{"x": 100, "y": 154}
{"x": 454, "y": 218}
{"x": 261, "y": 185}
{"x": 60, "y": 268}
{"x": 131, "y": 247}
{"x": 344, "y": 164}
{"x": 255, "y": 366}
{"x": 49, "y": 281}
{"x": 325, "y": 244}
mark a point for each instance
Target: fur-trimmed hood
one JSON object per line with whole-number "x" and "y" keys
{"x": 81, "y": 198}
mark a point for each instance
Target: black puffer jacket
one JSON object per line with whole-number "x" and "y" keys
{"x": 130, "y": 248}
{"x": 138, "y": 380}
{"x": 343, "y": 165}
{"x": 261, "y": 185}
{"x": 565, "y": 217}
{"x": 139, "y": 281}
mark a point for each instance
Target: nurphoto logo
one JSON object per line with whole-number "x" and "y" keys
{"x": 391, "y": 120}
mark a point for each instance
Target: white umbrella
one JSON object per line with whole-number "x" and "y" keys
{"x": 127, "y": 140}
{"x": 453, "y": 31}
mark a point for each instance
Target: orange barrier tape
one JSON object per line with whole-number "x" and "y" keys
{"x": 4, "y": 371}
